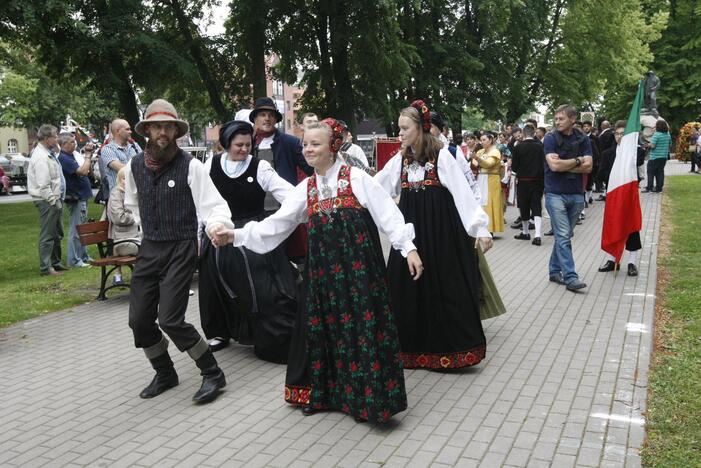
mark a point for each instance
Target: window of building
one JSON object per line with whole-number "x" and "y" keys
{"x": 12, "y": 145}
{"x": 277, "y": 88}
{"x": 289, "y": 124}
{"x": 289, "y": 107}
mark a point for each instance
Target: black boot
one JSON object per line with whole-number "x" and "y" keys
{"x": 213, "y": 379}
{"x": 164, "y": 379}
{"x": 632, "y": 270}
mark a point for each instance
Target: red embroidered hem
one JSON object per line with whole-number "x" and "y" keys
{"x": 297, "y": 395}
{"x": 443, "y": 361}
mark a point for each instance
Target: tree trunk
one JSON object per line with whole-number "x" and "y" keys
{"x": 255, "y": 47}
{"x": 325, "y": 71}
{"x": 122, "y": 84}
{"x": 193, "y": 41}
{"x": 538, "y": 82}
{"x": 339, "y": 53}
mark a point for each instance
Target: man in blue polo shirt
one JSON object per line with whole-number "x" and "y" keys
{"x": 78, "y": 192}
{"x": 568, "y": 155}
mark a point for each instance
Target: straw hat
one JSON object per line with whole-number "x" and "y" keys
{"x": 161, "y": 110}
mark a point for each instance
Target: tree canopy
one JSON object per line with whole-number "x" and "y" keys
{"x": 356, "y": 58}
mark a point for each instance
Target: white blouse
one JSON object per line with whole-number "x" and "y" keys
{"x": 210, "y": 206}
{"x": 267, "y": 178}
{"x": 451, "y": 175}
{"x": 264, "y": 236}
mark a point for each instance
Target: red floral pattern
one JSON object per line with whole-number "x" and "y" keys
{"x": 344, "y": 197}
{"x": 430, "y": 176}
{"x": 352, "y": 339}
{"x": 444, "y": 361}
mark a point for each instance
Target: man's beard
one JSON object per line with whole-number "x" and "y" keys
{"x": 159, "y": 153}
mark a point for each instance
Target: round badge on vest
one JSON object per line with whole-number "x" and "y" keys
{"x": 250, "y": 179}
{"x": 171, "y": 183}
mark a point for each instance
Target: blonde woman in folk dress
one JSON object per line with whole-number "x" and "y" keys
{"x": 439, "y": 321}
{"x": 488, "y": 159}
{"x": 345, "y": 350}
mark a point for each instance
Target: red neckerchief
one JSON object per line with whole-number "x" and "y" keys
{"x": 155, "y": 158}
{"x": 261, "y": 135}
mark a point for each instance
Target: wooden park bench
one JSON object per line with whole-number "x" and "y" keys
{"x": 96, "y": 233}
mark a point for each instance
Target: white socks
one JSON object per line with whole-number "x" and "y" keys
{"x": 632, "y": 257}
{"x": 538, "y": 221}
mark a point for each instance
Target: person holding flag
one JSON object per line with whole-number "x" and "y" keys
{"x": 622, "y": 214}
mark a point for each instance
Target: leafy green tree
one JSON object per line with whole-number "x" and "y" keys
{"x": 678, "y": 64}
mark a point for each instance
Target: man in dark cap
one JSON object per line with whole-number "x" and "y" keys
{"x": 282, "y": 151}
{"x": 168, "y": 190}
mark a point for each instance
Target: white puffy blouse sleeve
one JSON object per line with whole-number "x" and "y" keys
{"x": 473, "y": 217}
{"x": 383, "y": 210}
{"x": 263, "y": 236}
{"x": 389, "y": 178}
{"x": 211, "y": 207}
{"x": 270, "y": 181}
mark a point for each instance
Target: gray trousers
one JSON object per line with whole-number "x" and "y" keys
{"x": 50, "y": 234}
{"x": 160, "y": 285}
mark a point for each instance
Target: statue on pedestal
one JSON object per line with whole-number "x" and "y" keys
{"x": 651, "y": 85}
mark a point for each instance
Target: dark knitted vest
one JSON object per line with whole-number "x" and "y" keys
{"x": 165, "y": 201}
{"x": 243, "y": 194}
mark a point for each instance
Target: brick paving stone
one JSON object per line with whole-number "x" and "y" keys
{"x": 553, "y": 361}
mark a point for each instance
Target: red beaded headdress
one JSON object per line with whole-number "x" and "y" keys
{"x": 424, "y": 114}
{"x": 336, "y": 133}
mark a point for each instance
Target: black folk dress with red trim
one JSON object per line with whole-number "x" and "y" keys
{"x": 438, "y": 315}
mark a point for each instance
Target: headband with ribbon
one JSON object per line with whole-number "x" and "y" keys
{"x": 424, "y": 114}
{"x": 336, "y": 133}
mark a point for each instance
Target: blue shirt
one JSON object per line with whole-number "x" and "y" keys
{"x": 76, "y": 185}
{"x": 113, "y": 152}
{"x": 573, "y": 145}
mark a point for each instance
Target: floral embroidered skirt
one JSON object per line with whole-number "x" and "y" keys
{"x": 438, "y": 315}
{"x": 345, "y": 348}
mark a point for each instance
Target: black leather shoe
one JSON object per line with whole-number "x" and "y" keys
{"x": 536, "y": 241}
{"x": 575, "y": 285}
{"x": 557, "y": 279}
{"x": 610, "y": 265}
{"x": 548, "y": 233}
{"x": 632, "y": 270}
{"x": 308, "y": 410}
{"x": 165, "y": 377}
{"x": 522, "y": 236}
{"x": 360, "y": 420}
{"x": 218, "y": 343}
{"x": 213, "y": 379}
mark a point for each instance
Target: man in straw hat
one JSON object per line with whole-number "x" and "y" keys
{"x": 167, "y": 190}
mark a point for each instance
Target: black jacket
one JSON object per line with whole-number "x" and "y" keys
{"x": 528, "y": 159}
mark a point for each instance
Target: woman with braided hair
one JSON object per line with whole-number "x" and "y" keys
{"x": 438, "y": 315}
{"x": 345, "y": 349}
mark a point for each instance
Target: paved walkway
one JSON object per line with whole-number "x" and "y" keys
{"x": 564, "y": 384}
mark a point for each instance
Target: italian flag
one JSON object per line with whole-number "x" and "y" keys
{"x": 622, "y": 215}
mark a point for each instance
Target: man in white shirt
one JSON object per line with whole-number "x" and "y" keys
{"x": 168, "y": 190}
{"x": 47, "y": 187}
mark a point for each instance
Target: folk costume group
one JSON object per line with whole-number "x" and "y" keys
{"x": 346, "y": 323}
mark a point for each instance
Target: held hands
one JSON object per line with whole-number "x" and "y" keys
{"x": 485, "y": 243}
{"x": 220, "y": 236}
{"x": 416, "y": 268}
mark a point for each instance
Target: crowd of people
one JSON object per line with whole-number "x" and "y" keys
{"x": 285, "y": 234}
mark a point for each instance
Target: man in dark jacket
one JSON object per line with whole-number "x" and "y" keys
{"x": 282, "y": 151}
{"x": 527, "y": 163}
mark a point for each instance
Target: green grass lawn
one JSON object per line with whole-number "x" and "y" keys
{"x": 674, "y": 406}
{"x": 25, "y": 293}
